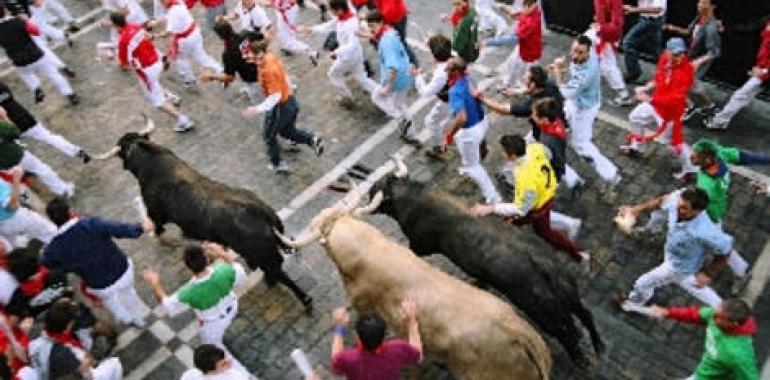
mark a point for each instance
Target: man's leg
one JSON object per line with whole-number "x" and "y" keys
{"x": 129, "y": 297}
{"x": 288, "y": 37}
{"x": 113, "y": 302}
{"x": 32, "y": 164}
{"x": 200, "y": 55}
{"x": 27, "y": 222}
{"x": 28, "y": 76}
{"x": 640, "y": 117}
{"x": 433, "y": 122}
{"x": 270, "y": 135}
{"x": 630, "y": 44}
{"x": 41, "y": 133}
{"x": 359, "y": 74}
{"x": 47, "y": 66}
{"x": 645, "y": 285}
{"x": 183, "y": 65}
{"x": 570, "y": 177}
{"x": 541, "y": 224}
{"x": 400, "y": 27}
{"x": 287, "y": 126}
{"x": 611, "y": 72}
{"x": 741, "y": 98}
{"x": 56, "y": 8}
{"x": 212, "y": 332}
{"x": 581, "y": 123}
{"x": 705, "y": 294}
{"x": 467, "y": 141}
{"x": 336, "y": 76}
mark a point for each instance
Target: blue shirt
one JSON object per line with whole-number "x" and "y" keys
{"x": 85, "y": 247}
{"x": 5, "y": 197}
{"x": 584, "y": 83}
{"x": 461, "y": 99}
{"x": 393, "y": 57}
{"x": 688, "y": 242}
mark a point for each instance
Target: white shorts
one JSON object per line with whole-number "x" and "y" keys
{"x": 149, "y": 78}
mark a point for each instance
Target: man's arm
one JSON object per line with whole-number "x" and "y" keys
{"x": 14, "y": 200}
{"x": 121, "y": 230}
{"x": 340, "y": 319}
{"x": 409, "y": 313}
{"x": 171, "y": 304}
{"x": 458, "y": 122}
{"x": 499, "y": 107}
{"x": 682, "y": 314}
{"x": 650, "y": 205}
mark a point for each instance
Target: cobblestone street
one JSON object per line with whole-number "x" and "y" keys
{"x": 270, "y": 322}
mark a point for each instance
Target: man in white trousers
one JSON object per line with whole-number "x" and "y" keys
{"x": 84, "y": 246}
{"x": 42, "y": 14}
{"x": 690, "y": 233}
{"x": 606, "y": 32}
{"x": 210, "y": 292}
{"x": 186, "y": 41}
{"x": 582, "y": 95}
{"x": 441, "y": 49}
{"x": 252, "y": 17}
{"x": 489, "y": 20}
{"x": 286, "y": 12}
{"x": 16, "y": 220}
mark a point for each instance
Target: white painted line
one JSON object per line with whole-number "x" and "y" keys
{"x": 157, "y": 358}
{"x": 765, "y": 370}
{"x": 760, "y": 273}
{"x": 185, "y": 355}
{"x": 162, "y": 331}
{"x": 127, "y": 337}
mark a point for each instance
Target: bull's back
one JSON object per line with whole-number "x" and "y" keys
{"x": 471, "y": 331}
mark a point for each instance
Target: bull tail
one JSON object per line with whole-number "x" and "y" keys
{"x": 534, "y": 346}
{"x": 543, "y": 367}
{"x": 587, "y": 319}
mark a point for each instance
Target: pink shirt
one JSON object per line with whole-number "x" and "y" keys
{"x": 384, "y": 364}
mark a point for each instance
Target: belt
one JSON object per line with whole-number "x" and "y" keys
{"x": 221, "y": 316}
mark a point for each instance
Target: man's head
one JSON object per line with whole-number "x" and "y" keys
{"x": 374, "y": 21}
{"x": 440, "y": 47}
{"x": 732, "y": 312}
{"x": 61, "y": 316}
{"x": 195, "y": 259}
{"x": 692, "y": 201}
{"x": 706, "y": 7}
{"x": 370, "y": 329}
{"x": 59, "y": 211}
{"x": 338, "y": 7}
{"x": 460, "y": 5}
{"x": 581, "y": 49}
{"x": 535, "y": 78}
{"x": 456, "y": 66}
{"x": 210, "y": 359}
{"x": 224, "y": 30}
{"x": 118, "y": 19}
{"x": 247, "y": 4}
{"x": 676, "y": 49}
{"x": 704, "y": 153}
{"x": 256, "y": 53}
{"x": 514, "y": 146}
{"x": 545, "y": 111}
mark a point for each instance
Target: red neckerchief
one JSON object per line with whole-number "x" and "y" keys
{"x": 555, "y": 128}
{"x": 65, "y": 338}
{"x": 713, "y": 169}
{"x": 35, "y": 283}
{"x": 383, "y": 29}
{"x": 346, "y": 16}
{"x": 454, "y": 79}
{"x": 458, "y": 15}
{"x": 376, "y": 351}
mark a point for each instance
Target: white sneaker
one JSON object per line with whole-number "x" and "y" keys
{"x": 69, "y": 190}
{"x": 173, "y": 98}
{"x": 282, "y": 168}
{"x": 586, "y": 262}
{"x": 183, "y": 124}
{"x": 574, "y": 228}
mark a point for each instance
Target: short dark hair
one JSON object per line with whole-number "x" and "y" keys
{"x": 528, "y": 2}
{"x": 118, "y": 19}
{"x": 259, "y": 47}
{"x": 60, "y": 315}
{"x": 195, "y": 258}
{"x": 374, "y": 16}
{"x": 23, "y": 263}
{"x": 441, "y": 47}
{"x": 224, "y": 30}
{"x": 547, "y": 108}
{"x": 584, "y": 40}
{"x": 514, "y": 144}
{"x": 206, "y": 357}
{"x": 697, "y": 198}
{"x": 737, "y": 310}
{"x": 58, "y": 210}
{"x": 539, "y": 76}
{"x": 339, "y": 5}
{"x": 457, "y": 64}
{"x": 371, "y": 331}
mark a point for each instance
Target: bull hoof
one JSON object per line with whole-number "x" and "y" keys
{"x": 600, "y": 348}
{"x": 582, "y": 362}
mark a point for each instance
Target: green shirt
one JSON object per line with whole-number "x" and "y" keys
{"x": 465, "y": 37}
{"x": 206, "y": 294}
{"x": 725, "y": 356}
{"x": 10, "y": 150}
{"x": 718, "y": 186}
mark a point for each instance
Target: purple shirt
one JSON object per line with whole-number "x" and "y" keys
{"x": 384, "y": 364}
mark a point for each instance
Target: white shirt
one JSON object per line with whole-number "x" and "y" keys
{"x": 347, "y": 37}
{"x": 230, "y": 374}
{"x": 437, "y": 81}
{"x": 252, "y": 19}
{"x": 175, "y": 307}
{"x": 653, "y": 4}
{"x": 136, "y": 14}
{"x": 178, "y": 19}
{"x": 8, "y": 285}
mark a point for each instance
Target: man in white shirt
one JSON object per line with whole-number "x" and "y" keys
{"x": 652, "y": 14}
{"x": 252, "y": 17}
{"x": 129, "y": 8}
{"x": 213, "y": 363}
{"x": 441, "y": 49}
{"x": 286, "y": 12}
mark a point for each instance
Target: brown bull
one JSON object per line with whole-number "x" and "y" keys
{"x": 473, "y": 333}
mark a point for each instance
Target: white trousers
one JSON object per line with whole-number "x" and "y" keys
{"x": 286, "y": 33}
{"x": 32, "y": 164}
{"x": 645, "y": 115}
{"x": 41, "y": 133}
{"x": 48, "y": 66}
{"x": 488, "y": 18}
{"x": 437, "y": 116}
{"x": 109, "y": 369}
{"x": 355, "y": 68}
{"x": 581, "y": 130}
{"x": 467, "y": 141}
{"x": 191, "y": 49}
{"x": 608, "y": 64}
{"x": 570, "y": 177}
{"x": 562, "y": 222}
{"x": 149, "y": 81}
{"x": 515, "y": 68}
{"x": 55, "y": 8}
{"x": 121, "y": 298}
{"x": 740, "y": 98}
{"x": 213, "y": 331}
{"x": 394, "y": 104}
{"x": 665, "y": 274}
{"x": 27, "y": 223}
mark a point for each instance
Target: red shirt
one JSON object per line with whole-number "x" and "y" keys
{"x": 384, "y": 364}
{"x": 530, "y": 35}
{"x": 609, "y": 15}
{"x": 671, "y": 87}
{"x": 135, "y": 49}
{"x": 763, "y": 55}
{"x": 392, "y": 11}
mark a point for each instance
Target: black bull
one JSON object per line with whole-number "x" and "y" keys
{"x": 174, "y": 192}
{"x": 436, "y": 222}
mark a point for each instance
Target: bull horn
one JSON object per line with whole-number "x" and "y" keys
{"x": 401, "y": 170}
{"x": 108, "y": 154}
{"x": 356, "y": 196}
{"x": 373, "y": 205}
{"x": 314, "y": 236}
{"x": 149, "y": 125}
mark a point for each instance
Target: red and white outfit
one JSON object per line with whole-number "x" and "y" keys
{"x": 528, "y": 51}
{"x": 286, "y": 12}
{"x": 187, "y": 42}
{"x": 137, "y": 51}
{"x": 609, "y": 15}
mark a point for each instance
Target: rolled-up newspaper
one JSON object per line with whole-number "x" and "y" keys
{"x": 105, "y": 50}
{"x": 301, "y": 361}
{"x": 625, "y": 222}
{"x": 141, "y": 210}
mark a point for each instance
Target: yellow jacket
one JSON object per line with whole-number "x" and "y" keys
{"x": 534, "y": 179}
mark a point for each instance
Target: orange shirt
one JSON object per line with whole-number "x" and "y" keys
{"x": 273, "y": 79}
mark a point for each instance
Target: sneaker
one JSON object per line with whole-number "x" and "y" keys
{"x": 709, "y": 110}
{"x": 437, "y": 153}
{"x": 622, "y": 101}
{"x": 69, "y": 190}
{"x": 630, "y": 150}
{"x": 711, "y": 124}
{"x": 314, "y": 58}
{"x": 138, "y": 323}
{"x": 73, "y": 99}
{"x": 83, "y": 156}
{"x": 67, "y": 72}
{"x": 318, "y": 146}
{"x": 184, "y": 124}
{"x": 73, "y": 28}
{"x": 574, "y": 229}
{"x": 39, "y": 95}
{"x": 690, "y": 112}
{"x": 281, "y": 168}
{"x": 189, "y": 83}
{"x": 577, "y": 190}
{"x": 403, "y": 127}
{"x": 173, "y": 98}
{"x": 586, "y": 262}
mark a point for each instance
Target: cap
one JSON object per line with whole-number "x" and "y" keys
{"x": 676, "y": 45}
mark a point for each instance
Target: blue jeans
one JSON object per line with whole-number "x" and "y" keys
{"x": 644, "y": 28}
{"x": 281, "y": 121}
{"x": 506, "y": 40}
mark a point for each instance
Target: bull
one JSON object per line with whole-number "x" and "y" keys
{"x": 491, "y": 252}
{"x": 174, "y": 192}
{"x": 475, "y": 334}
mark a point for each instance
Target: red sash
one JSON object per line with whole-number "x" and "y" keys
{"x": 173, "y": 49}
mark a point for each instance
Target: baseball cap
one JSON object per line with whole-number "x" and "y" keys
{"x": 676, "y": 45}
